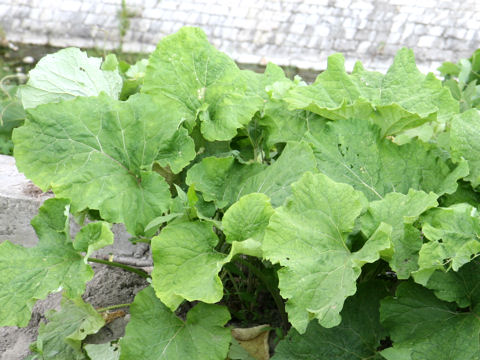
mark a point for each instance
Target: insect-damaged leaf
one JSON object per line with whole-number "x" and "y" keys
{"x": 385, "y": 99}
{"x": 99, "y": 153}
{"x": 65, "y": 75}
{"x": 307, "y": 237}
{"x": 61, "y": 337}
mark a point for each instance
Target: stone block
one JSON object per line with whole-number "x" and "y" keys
{"x": 242, "y": 23}
{"x": 343, "y": 45}
{"x": 362, "y": 5}
{"x": 427, "y": 41}
{"x": 297, "y": 28}
{"x": 394, "y": 38}
{"x": 436, "y": 31}
{"x": 349, "y": 33}
{"x": 70, "y": 5}
{"x": 230, "y": 33}
{"x": 169, "y": 4}
{"x": 267, "y": 25}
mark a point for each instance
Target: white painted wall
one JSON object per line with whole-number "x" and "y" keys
{"x": 300, "y": 33}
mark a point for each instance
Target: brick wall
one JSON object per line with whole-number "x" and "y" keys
{"x": 299, "y": 33}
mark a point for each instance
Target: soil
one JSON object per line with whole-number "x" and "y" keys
{"x": 110, "y": 286}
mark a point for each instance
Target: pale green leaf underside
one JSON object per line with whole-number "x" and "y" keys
{"x": 99, "y": 153}
{"x": 186, "y": 69}
{"x": 308, "y": 238}
{"x": 400, "y": 211}
{"x": 187, "y": 264}
{"x": 29, "y": 274}
{"x": 356, "y": 338}
{"x": 403, "y": 98}
{"x": 423, "y": 327}
{"x": 65, "y": 75}
{"x": 62, "y": 337}
{"x": 155, "y": 333}
{"x": 353, "y": 152}
{"x": 105, "y": 351}
{"x": 224, "y": 180}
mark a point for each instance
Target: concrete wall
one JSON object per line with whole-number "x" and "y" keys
{"x": 299, "y": 33}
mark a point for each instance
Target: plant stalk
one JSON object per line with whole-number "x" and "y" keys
{"x": 113, "y": 307}
{"x": 139, "y": 272}
{"x": 275, "y": 292}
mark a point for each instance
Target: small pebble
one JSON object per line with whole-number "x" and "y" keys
{"x": 28, "y": 60}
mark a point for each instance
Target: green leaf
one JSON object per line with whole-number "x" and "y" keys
{"x": 423, "y": 327}
{"x": 155, "y": 333}
{"x": 187, "y": 264}
{"x": 400, "y": 211}
{"x": 219, "y": 178}
{"x": 92, "y": 237}
{"x": 308, "y": 237}
{"x": 247, "y": 218}
{"x": 275, "y": 180}
{"x": 385, "y": 99}
{"x": 67, "y": 74}
{"x": 99, "y": 153}
{"x": 30, "y": 274}
{"x": 62, "y": 337}
{"x": 224, "y": 180}
{"x": 460, "y": 286}
{"x": 449, "y": 68}
{"x": 205, "y": 83}
{"x": 102, "y": 351}
{"x": 357, "y": 337}
{"x": 465, "y": 142}
{"x": 453, "y": 235}
{"x": 177, "y": 152}
{"x": 279, "y": 124}
{"x": 464, "y": 194}
{"x": 110, "y": 63}
{"x": 353, "y": 152}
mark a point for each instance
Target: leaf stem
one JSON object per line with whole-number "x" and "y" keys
{"x": 274, "y": 291}
{"x": 113, "y": 307}
{"x": 139, "y": 272}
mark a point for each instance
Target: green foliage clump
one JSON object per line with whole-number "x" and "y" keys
{"x": 342, "y": 213}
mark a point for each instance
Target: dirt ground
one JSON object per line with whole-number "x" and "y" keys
{"x": 109, "y": 286}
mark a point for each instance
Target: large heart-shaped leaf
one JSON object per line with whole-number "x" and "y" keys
{"x": 155, "y": 333}
{"x": 99, "y": 153}
{"x": 308, "y": 237}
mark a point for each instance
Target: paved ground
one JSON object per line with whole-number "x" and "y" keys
{"x": 299, "y": 33}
